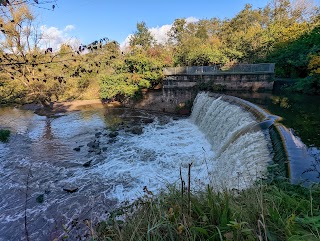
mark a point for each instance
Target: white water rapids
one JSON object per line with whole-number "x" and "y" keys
{"x": 40, "y": 160}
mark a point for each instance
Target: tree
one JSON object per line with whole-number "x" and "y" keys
{"x": 142, "y": 37}
{"x": 6, "y": 3}
{"x": 177, "y": 30}
{"x": 23, "y": 60}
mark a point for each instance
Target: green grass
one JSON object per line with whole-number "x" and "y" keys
{"x": 4, "y": 135}
{"x": 276, "y": 211}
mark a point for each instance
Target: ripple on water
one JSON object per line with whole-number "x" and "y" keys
{"x": 44, "y": 155}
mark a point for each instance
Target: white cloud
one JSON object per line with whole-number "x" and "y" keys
{"x": 126, "y": 43}
{"x": 192, "y": 20}
{"x": 53, "y": 37}
{"x": 160, "y": 34}
{"x": 69, "y": 28}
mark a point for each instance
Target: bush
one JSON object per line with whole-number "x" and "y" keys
{"x": 308, "y": 85}
{"x": 124, "y": 84}
{"x": 4, "y": 135}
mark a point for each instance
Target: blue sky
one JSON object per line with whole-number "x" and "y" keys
{"x": 89, "y": 20}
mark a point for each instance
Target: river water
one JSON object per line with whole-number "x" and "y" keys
{"x": 61, "y": 173}
{"x": 39, "y": 166}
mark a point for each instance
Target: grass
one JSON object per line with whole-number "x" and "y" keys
{"x": 274, "y": 211}
{"x": 4, "y": 135}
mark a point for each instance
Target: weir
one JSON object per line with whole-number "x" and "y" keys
{"x": 242, "y": 147}
{"x": 249, "y": 140}
{"x": 253, "y": 77}
{"x": 225, "y": 119}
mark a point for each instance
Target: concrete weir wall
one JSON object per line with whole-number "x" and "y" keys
{"x": 226, "y": 81}
{"x": 175, "y": 101}
{"x": 247, "y": 77}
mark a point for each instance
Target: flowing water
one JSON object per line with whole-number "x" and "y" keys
{"x": 59, "y": 172}
{"x": 39, "y": 164}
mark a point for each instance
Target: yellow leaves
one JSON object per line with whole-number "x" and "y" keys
{"x": 215, "y": 41}
{"x": 135, "y": 78}
{"x": 180, "y": 229}
{"x": 170, "y": 211}
{"x": 314, "y": 64}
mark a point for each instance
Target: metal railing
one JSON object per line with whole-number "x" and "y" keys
{"x": 217, "y": 69}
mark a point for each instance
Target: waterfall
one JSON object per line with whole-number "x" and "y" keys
{"x": 242, "y": 148}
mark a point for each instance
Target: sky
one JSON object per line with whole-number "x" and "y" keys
{"x": 90, "y": 20}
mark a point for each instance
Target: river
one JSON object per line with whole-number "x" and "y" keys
{"x": 60, "y": 174}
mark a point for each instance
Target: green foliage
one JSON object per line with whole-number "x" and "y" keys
{"x": 83, "y": 83}
{"x": 278, "y": 211}
{"x": 123, "y": 85}
{"x": 137, "y": 70}
{"x": 4, "y": 135}
{"x": 292, "y": 58}
{"x": 308, "y": 85}
{"x": 282, "y": 32}
{"x": 142, "y": 37}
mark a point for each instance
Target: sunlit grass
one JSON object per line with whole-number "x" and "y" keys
{"x": 277, "y": 211}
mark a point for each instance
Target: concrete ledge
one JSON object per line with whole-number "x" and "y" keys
{"x": 228, "y": 81}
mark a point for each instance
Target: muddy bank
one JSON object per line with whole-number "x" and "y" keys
{"x": 68, "y": 106}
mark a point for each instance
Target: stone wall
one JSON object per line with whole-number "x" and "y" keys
{"x": 173, "y": 100}
{"x": 226, "y": 81}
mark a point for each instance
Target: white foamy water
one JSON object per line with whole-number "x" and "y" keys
{"x": 154, "y": 158}
{"x": 242, "y": 152}
{"x": 40, "y": 160}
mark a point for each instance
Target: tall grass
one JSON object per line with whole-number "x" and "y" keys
{"x": 274, "y": 211}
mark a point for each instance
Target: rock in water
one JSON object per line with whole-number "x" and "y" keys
{"x": 76, "y": 149}
{"x": 71, "y": 190}
{"x": 137, "y": 130}
{"x": 40, "y": 198}
{"x": 87, "y": 164}
{"x": 113, "y": 134}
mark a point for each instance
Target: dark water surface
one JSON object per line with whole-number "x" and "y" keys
{"x": 299, "y": 112}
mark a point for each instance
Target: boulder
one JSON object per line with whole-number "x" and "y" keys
{"x": 147, "y": 121}
{"x": 93, "y": 144}
{"x": 137, "y": 130}
{"x": 87, "y": 164}
{"x": 113, "y": 134}
{"x": 77, "y": 149}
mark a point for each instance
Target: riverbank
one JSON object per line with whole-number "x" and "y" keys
{"x": 69, "y": 106}
{"x": 266, "y": 211}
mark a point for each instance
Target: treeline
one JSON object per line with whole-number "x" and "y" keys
{"x": 284, "y": 32}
